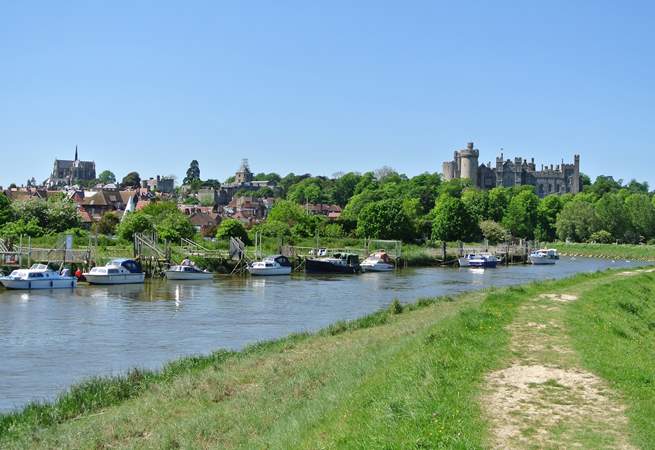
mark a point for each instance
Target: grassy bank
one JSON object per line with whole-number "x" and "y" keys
{"x": 610, "y": 251}
{"x": 613, "y": 329}
{"x": 405, "y": 377}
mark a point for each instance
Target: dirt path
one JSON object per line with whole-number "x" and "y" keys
{"x": 543, "y": 398}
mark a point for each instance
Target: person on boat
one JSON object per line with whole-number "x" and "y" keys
{"x": 78, "y": 274}
{"x": 186, "y": 261}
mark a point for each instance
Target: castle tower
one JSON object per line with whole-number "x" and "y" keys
{"x": 243, "y": 175}
{"x": 575, "y": 182}
{"x": 469, "y": 163}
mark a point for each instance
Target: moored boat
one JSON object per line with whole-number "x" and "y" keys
{"x": 39, "y": 276}
{"x": 118, "y": 271}
{"x": 544, "y": 256}
{"x": 187, "y": 272}
{"x": 271, "y": 265}
{"x": 484, "y": 260}
{"x": 378, "y": 262}
{"x": 337, "y": 263}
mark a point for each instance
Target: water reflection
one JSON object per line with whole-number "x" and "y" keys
{"x": 93, "y": 330}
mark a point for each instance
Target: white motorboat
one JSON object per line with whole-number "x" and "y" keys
{"x": 118, "y": 271}
{"x": 377, "y": 262}
{"x": 544, "y": 256}
{"x": 39, "y": 276}
{"x": 271, "y": 265}
{"x": 483, "y": 260}
{"x": 187, "y": 272}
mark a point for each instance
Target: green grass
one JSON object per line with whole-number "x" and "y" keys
{"x": 408, "y": 376}
{"x": 613, "y": 329}
{"x": 613, "y": 251}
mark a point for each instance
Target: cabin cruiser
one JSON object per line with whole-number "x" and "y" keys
{"x": 337, "y": 263}
{"x": 484, "y": 260}
{"x": 377, "y": 262}
{"x": 39, "y": 276}
{"x": 544, "y": 256}
{"x": 271, "y": 265}
{"x": 117, "y": 271}
{"x": 187, "y": 272}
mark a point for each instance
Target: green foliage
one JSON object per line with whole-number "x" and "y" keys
{"x": 136, "y": 222}
{"x": 497, "y": 203}
{"x": 601, "y": 237}
{"x": 21, "y": 227}
{"x": 641, "y": 214}
{"x": 333, "y": 230}
{"x": 547, "y": 212}
{"x": 385, "y": 219}
{"x": 452, "y": 221}
{"x": 107, "y": 224}
{"x": 344, "y": 188}
{"x": 55, "y": 215}
{"x": 494, "y": 232}
{"x": 287, "y": 212}
{"x": 6, "y": 211}
{"x": 232, "y": 228}
{"x": 577, "y": 221}
{"x": 192, "y": 173}
{"x": 611, "y": 215}
{"x": 131, "y": 180}
{"x": 521, "y": 216}
{"x": 175, "y": 226}
{"x": 106, "y": 177}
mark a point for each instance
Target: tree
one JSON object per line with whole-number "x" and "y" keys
{"x": 424, "y": 187}
{"x": 601, "y": 237}
{"x": 547, "y": 212}
{"x": 175, "y": 226}
{"x": 287, "y": 212}
{"x": 106, "y": 177}
{"x": 521, "y": 216}
{"x": 62, "y": 215}
{"x": 641, "y": 214}
{"x": 497, "y": 203}
{"x": 452, "y": 221}
{"x": 605, "y": 184}
{"x": 577, "y": 221}
{"x": 192, "y": 173}
{"x": 132, "y": 180}
{"x": 6, "y": 212}
{"x": 136, "y": 222}
{"x": 107, "y": 224}
{"x": 344, "y": 188}
{"x": 232, "y": 228}
{"x": 22, "y": 227}
{"x": 612, "y": 215}
{"x": 385, "y": 219}
{"x": 493, "y": 232}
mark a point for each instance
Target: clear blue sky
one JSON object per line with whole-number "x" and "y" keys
{"x": 327, "y": 86}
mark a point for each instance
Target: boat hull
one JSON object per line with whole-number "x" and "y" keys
{"x": 315, "y": 266}
{"x": 542, "y": 261}
{"x": 127, "y": 278}
{"x": 191, "y": 276}
{"x": 65, "y": 283}
{"x": 269, "y": 271}
{"x": 380, "y": 267}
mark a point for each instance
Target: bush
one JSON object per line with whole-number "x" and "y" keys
{"x": 601, "y": 237}
{"x": 232, "y": 228}
{"x": 493, "y": 232}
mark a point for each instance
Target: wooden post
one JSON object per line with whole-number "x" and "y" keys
{"x": 444, "y": 251}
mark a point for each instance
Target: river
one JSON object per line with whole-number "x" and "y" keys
{"x": 51, "y": 339}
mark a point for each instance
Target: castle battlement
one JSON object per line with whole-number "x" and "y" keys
{"x": 554, "y": 179}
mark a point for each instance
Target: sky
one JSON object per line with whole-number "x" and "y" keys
{"x": 324, "y": 86}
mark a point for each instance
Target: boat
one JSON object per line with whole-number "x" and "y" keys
{"x": 39, "y": 276}
{"x": 378, "y": 262}
{"x": 544, "y": 256}
{"x": 484, "y": 260}
{"x": 187, "y": 272}
{"x": 337, "y": 263}
{"x": 117, "y": 271}
{"x": 271, "y": 265}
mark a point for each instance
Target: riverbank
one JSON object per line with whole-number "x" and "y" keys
{"x": 607, "y": 251}
{"x": 402, "y": 377}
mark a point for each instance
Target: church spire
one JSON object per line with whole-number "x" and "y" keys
{"x": 76, "y": 153}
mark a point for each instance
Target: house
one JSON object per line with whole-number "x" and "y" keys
{"x": 204, "y": 222}
{"x": 330, "y": 211}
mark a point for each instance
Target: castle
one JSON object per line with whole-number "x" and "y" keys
{"x": 67, "y": 173}
{"x": 561, "y": 179}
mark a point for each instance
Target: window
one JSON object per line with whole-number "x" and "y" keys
{"x": 36, "y": 275}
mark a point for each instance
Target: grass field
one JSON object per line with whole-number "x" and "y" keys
{"x": 425, "y": 375}
{"x": 613, "y": 251}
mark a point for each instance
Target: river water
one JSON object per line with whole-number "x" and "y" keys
{"x": 51, "y": 339}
